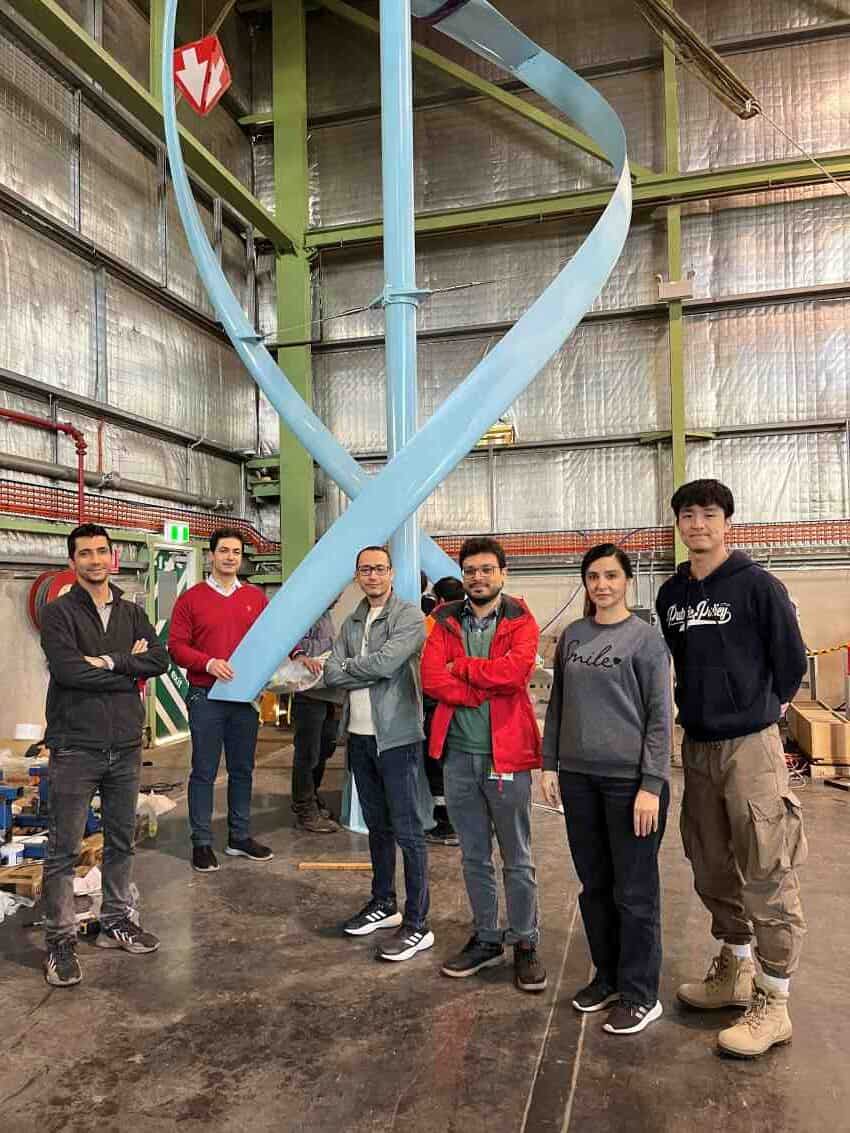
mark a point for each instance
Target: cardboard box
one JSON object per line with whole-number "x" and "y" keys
{"x": 821, "y": 733}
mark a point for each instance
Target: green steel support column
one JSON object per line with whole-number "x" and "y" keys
{"x": 675, "y": 337}
{"x": 289, "y": 100}
{"x": 157, "y": 16}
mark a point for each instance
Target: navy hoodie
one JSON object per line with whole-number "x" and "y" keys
{"x": 736, "y": 648}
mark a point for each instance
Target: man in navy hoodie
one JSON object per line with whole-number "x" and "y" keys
{"x": 739, "y": 658}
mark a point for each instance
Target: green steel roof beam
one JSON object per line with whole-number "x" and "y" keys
{"x": 652, "y": 192}
{"x": 68, "y": 37}
{"x": 484, "y": 87}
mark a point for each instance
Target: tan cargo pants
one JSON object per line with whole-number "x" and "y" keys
{"x": 742, "y": 830}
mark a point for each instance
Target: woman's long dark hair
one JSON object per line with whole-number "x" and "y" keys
{"x": 602, "y": 551}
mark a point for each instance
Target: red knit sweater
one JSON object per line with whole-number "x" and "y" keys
{"x": 205, "y": 624}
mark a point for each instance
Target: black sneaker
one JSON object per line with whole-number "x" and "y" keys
{"x": 405, "y": 943}
{"x": 61, "y": 966}
{"x": 474, "y": 956}
{"x": 529, "y": 973}
{"x": 127, "y": 935}
{"x": 596, "y": 996}
{"x": 629, "y": 1018}
{"x": 442, "y": 834}
{"x": 373, "y": 916}
{"x": 248, "y": 848}
{"x": 204, "y": 860}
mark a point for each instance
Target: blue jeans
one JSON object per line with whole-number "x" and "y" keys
{"x": 388, "y": 789}
{"x": 620, "y": 900}
{"x": 477, "y": 805}
{"x": 73, "y": 777}
{"x": 215, "y": 724}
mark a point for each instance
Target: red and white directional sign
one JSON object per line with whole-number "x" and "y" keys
{"x": 201, "y": 73}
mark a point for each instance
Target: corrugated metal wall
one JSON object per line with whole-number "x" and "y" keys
{"x": 761, "y": 362}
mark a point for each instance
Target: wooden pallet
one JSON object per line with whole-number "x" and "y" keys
{"x": 26, "y": 879}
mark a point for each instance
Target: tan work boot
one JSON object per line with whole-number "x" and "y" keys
{"x": 766, "y": 1024}
{"x": 729, "y": 983}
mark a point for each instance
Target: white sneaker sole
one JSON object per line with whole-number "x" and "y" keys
{"x": 392, "y": 921}
{"x": 427, "y": 941}
{"x": 603, "y": 1003}
{"x": 104, "y": 941}
{"x": 493, "y": 962}
{"x": 234, "y": 853}
{"x": 655, "y": 1013}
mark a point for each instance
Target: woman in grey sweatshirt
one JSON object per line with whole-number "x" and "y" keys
{"x": 606, "y": 754}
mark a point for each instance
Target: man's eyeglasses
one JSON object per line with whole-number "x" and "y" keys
{"x": 367, "y": 570}
{"x": 486, "y": 571}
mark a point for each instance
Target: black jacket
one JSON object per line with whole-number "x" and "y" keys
{"x": 89, "y": 707}
{"x": 736, "y": 647}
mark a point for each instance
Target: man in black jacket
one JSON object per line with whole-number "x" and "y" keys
{"x": 739, "y": 659}
{"x": 98, "y": 647}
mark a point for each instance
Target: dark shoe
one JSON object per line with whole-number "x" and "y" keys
{"x": 204, "y": 860}
{"x": 316, "y": 824}
{"x": 596, "y": 996}
{"x": 443, "y": 834}
{"x": 127, "y": 935}
{"x": 405, "y": 943}
{"x": 474, "y": 956}
{"x": 629, "y": 1018}
{"x": 529, "y": 973}
{"x": 373, "y": 916}
{"x": 324, "y": 810}
{"x": 248, "y": 848}
{"x": 61, "y": 966}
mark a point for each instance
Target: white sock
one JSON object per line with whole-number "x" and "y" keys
{"x": 772, "y": 983}
{"x": 439, "y": 800}
{"x": 742, "y": 951}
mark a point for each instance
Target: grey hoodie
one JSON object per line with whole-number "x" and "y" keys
{"x": 390, "y": 670}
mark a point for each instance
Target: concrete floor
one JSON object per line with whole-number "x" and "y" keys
{"x": 257, "y": 1013}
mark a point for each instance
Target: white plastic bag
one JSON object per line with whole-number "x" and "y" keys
{"x": 292, "y": 676}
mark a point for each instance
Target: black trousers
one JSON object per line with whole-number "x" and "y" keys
{"x": 314, "y": 732}
{"x": 620, "y": 900}
{"x": 433, "y": 767}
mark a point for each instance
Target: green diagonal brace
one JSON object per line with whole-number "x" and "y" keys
{"x": 68, "y": 37}
{"x": 482, "y": 86}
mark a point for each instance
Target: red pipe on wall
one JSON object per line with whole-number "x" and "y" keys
{"x": 58, "y": 427}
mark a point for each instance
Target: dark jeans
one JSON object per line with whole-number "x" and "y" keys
{"x": 314, "y": 731}
{"x": 73, "y": 777}
{"x": 215, "y": 724}
{"x": 387, "y": 786}
{"x": 620, "y": 899}
{"x": 478, "y": 805}
{"x": 433, "y": 767}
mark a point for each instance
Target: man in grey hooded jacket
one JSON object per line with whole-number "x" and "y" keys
{"x": 376, "y": 659}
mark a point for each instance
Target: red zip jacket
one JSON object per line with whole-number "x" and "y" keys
{"x": 500, "y": 679}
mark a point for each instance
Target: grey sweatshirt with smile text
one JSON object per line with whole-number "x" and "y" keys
{"x": 610, "y": 709}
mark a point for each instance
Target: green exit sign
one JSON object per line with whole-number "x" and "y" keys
{"x": 176, "y": 532}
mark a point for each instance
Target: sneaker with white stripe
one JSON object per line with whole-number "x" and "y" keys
{"x": 61, "y": 966}
{"x": 629, "y": 1018}
{"x": 127, "y": 935}
{"x": 371, "y": 917}
{"x": 405, "y": 943}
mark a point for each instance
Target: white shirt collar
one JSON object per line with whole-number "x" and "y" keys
{"x": 219, "y": 589}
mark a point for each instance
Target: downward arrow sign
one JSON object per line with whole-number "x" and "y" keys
{"x": 193, "y": 75}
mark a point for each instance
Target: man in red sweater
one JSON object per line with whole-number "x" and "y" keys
{"x": 207, "y": 624}
{"x": 476, "y": 666}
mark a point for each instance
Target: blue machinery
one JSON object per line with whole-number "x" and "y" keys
{"x": 384, "y": 506}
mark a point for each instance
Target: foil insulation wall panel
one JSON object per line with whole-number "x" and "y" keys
{"x": 223, "y": 137}
{"x": 581, "y": 488}
{"x": 268, "y": 426}
{"x": 801, "y": 87}
{"x": 791, "y": 238}
{"x": 46, "y": 310}
{"x": 120, "y": 196}
{"x": 234, "y": 262}
{"x": 266, "y": 290}
{"x": 611, "y": 378}
{"x": 126, "y": 36}
{"x": 481, "y": 278}
{"x": 22, "y": 439}
{"x": 792, "y": 477}
{"x": 38, "y": 130}
{"x": 183, "y": 276}
{"x": 733, "y": 19}
{"x": 767, "y": 364}
{"x": 79, "y": 10}
{"x": 164, "y": 369}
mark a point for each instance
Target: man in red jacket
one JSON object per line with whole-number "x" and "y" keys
{"x": 476, "y": 665}
{"x": 207, "y": 624}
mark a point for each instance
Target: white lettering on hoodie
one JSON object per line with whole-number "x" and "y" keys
{"x": 705, "y": 613}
